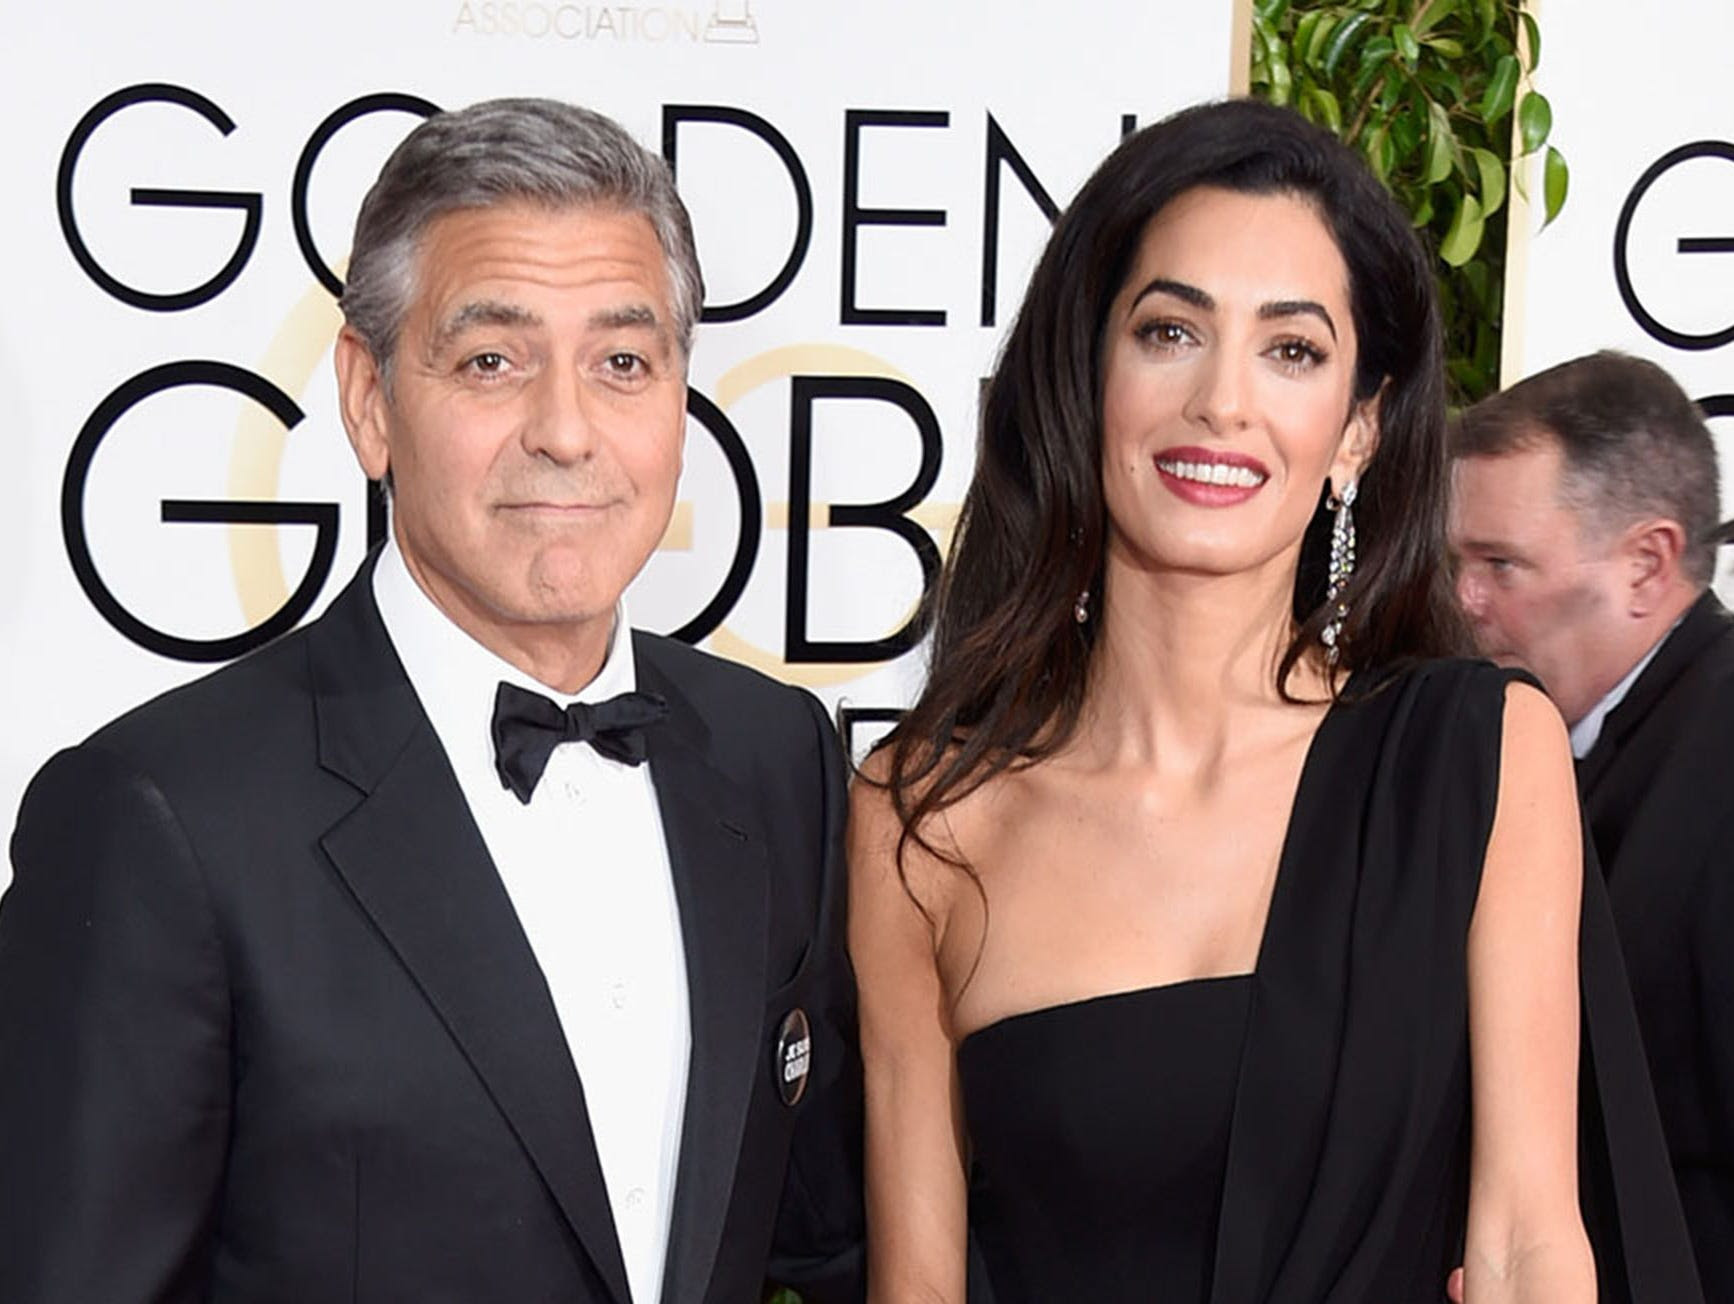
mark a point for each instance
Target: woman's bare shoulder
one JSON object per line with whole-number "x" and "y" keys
{"x": 934, "y": 853}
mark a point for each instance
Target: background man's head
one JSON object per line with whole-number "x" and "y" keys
{"x": 1584, "y": 506}
{"x": 521, "y": 299}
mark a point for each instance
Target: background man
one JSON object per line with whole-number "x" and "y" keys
{"x": 1583, "y": 527}
{"x": 334, "y": 975}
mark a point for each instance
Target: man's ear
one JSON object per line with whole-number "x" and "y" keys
{"x": 1653, "y": 551}
{"x": 1359, "y": 442}
{"x": 363, "y": 403}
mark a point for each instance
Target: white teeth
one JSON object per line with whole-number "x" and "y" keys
{"x": 1241, "y": 477}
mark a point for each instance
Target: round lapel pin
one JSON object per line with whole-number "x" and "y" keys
{"x": 793, "y": 1056}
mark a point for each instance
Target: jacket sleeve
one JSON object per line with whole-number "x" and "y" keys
{"x": 1706, "y": 1175}
{"x": 819, "y": 1247}
{"x": 1631, "y": 1208}
{"x": 114, "y": 1045}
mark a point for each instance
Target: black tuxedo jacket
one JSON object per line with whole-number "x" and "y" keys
{"x": 270, "y": 1030}
{"x": 1656, "y": 791}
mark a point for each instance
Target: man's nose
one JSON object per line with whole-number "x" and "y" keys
{"x": 561, "y": 425}
{"x": 1471, "y": 593}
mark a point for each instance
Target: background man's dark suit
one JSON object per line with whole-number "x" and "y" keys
{"x": 270, "y": 1030}
{"x": 1658, "y": 790}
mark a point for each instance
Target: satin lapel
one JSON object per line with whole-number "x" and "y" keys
{"x": 1706, "y": 621}
{"x": 718, "y": 860}
{"x": 1288, "y": 1060}
{"x": 414, "y": 860}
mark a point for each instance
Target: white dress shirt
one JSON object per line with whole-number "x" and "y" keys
{"x": 1587, "y": 730}
{"x": 586, "y": 866}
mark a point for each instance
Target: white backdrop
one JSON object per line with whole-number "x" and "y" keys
{"x": 180, "y": 182}
{"x": 1642, "y": 112}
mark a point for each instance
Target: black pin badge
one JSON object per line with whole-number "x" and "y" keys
{"x": 793, "y": 1056}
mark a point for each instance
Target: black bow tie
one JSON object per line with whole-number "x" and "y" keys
{"x": 528, "y": 727}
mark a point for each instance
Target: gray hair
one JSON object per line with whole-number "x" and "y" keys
{"x": 1634, "y": 445}
{"x": 541, "y": 151}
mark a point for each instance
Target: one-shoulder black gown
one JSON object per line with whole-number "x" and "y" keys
{"x": 1300, "y": 1135}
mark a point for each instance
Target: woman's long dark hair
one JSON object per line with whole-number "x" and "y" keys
{"x": 1009, "y": 662}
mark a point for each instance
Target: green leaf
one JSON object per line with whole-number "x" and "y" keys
{"x": 1407, "y": 45}
{"x": 1329, "y": 112}
{"x": 1558, "y": 181}
{"x": 1341, "y": 40}
{"x": 1479, "y": 280}
{"x": 1277, "y": 70}
{"x": 1464, "y": 236}
{"x": 1372, "y": 65}
{"x": 1423, "y": 213}
{"x": 1435, "y": 14}
{"x": 1486, "y": 14}
{"x": 1445, "y": 47}
{"x": 1534, "y": 121}
{"x": 1271, "y": 10}
{"x": 1441, "y": 144}
{"x": 1405, "y": 134}
{"x": 1380, "y": 153}
{"x": 1501, "y": 90}
{"x": 1442, "y": 84}
{"x": 1303, "y": 34}
{"x": 1492, "y": 173}
{"x": 1532, "y": 30}
{"x": 1377, "y": 50}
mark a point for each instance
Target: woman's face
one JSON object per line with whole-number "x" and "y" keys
{"x": 1227, "y": 390}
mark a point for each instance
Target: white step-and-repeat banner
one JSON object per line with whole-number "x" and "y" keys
{"x": 869, "y": 183}
{"x": 1642, "y": 257}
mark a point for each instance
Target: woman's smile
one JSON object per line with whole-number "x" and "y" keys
{"x": 1210, "y": 478}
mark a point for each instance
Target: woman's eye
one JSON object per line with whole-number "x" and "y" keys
{"x": 1164, "y": 334}
{"x": 1298, "y": 353}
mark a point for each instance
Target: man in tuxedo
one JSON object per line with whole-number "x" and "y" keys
{"x": 465, "y": 945}
{"x": 1583, "y": 526}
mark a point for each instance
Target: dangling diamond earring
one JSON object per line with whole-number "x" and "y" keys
{"x": 1342, "y": 567}
{"x": 1081, "y": 608}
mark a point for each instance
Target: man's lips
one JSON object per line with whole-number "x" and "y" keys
{"x": 555, "y": 508}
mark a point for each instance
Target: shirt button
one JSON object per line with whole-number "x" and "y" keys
{"x": 635, "y": 1197}
{"x": 617, "y": 996}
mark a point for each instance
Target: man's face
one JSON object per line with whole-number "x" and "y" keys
{"x": 1540, "y": 592}
{"x": 534, "y": 418}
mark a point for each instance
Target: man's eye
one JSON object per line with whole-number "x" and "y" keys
{"x": 488, "y": 364}
{"x": 625, "y": 364}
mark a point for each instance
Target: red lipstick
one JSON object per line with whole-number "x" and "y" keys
{"x": 1208, "y": 477}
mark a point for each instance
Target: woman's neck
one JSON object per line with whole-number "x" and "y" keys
{"x": 1182, "y": 656}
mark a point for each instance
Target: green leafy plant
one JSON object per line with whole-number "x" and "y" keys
{"x": 1425, "y": 91}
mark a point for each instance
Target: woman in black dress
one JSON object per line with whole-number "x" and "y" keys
{"x": 1217, "y": 938}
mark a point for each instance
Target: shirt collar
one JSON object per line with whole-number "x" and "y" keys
{"x": 1588, "y": 730}
{"x": 455, "y": 677}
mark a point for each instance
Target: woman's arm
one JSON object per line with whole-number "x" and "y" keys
{"x": 916, "y": 1207}
{"x": 1526, "y": 1241}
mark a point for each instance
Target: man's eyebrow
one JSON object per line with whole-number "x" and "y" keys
{"x": 1485, "y": 547}
{"x": 1295, "y": 308}
{"x": 627, "y": 316}
{"x": 483, "y": 312}
{"x": 1179, "y": 289}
